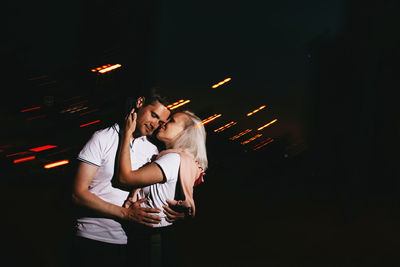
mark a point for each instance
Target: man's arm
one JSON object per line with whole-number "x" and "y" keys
{"x": 83, "y": 197}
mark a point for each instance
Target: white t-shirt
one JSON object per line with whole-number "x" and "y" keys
{"x": 158, "y": 193}
{"x": 101, "y": 151}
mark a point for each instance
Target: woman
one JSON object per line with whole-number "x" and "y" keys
{"x": 184, "y": 160}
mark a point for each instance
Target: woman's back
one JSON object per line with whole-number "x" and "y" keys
{"x": 158, "y": 193}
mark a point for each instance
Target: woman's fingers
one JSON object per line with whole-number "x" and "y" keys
{"x": 130, "y": 122}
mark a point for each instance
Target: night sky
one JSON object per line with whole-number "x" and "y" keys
{"x": 325, "y": 192}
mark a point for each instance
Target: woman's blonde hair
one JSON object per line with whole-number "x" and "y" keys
{"x": 193, "y": 139}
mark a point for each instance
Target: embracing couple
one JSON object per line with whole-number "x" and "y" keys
{"x": 130, "y": 192}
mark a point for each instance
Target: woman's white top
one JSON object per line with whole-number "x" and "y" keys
{"x": 158, "y": 193}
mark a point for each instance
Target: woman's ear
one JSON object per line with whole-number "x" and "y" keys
{"x": 140, "y": 102}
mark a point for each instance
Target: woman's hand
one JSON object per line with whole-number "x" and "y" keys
{"x": 130, "y": 122}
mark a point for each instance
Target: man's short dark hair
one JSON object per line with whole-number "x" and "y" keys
{"x": 151, "y": 96}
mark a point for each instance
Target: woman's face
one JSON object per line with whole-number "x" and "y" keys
{"x": 171, "y": 130}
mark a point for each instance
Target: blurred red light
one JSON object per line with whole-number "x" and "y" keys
{"x": 19, "y": 153}
{"x": 29, "y": 109}
{"x": 90, "y": 123}
{"x": 36, "y": 117}
{"x": 41, "y": 148}
{"x": 24, "y": 159}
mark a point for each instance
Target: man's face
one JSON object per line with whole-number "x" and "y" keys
{"x": 150, "y": 117}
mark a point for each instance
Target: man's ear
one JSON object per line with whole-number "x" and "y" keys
{"x": 140, "y": 102}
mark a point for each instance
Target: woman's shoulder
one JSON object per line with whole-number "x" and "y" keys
{"x": 170, "y": 155}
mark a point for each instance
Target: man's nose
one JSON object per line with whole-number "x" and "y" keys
{"x": 154, "y": 124}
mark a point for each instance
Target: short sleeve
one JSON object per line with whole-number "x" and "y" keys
{"x": 169, "y": 164}
{"x": 91, "y": 152}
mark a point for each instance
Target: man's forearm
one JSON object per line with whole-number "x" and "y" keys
{"x": 93, "y": 202}
{"x": 125, "y": 161}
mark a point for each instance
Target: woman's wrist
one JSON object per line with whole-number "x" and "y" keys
{"x": 128, "y": 136}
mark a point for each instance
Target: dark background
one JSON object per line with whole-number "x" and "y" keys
{"x": 324, "y": 193}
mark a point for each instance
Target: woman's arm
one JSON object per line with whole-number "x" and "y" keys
{"x": 147, "y": 175}
{"x": 83, "y": 197}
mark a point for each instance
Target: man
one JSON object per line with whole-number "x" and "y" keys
{"x": 100, "y": 239}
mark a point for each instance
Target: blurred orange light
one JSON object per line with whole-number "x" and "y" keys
{"x": 181, "y": 103}
{"x": 24, "y": 159}
{"x": 226, "y": 126}
{"x": 268, "y": 124}
{"x": 240, "y": 134}
{"x": 209, "y": 119}
{"x": 221, "y": 83}
{"x": 41, "y": 148}
{"x": 106, "y": 68}
{"x": 29, "y": 109}
{"x": 55, "y": 164}
{"x": 88, "y": 112}
{"x": 93, "y": 122}
{"x": 256, "y": 110}
{"x": 110, "y": 68}
{"x": 251, "y": 139}
{"x": 175, "y": 103}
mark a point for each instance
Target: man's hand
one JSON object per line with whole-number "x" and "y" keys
{"x": 135, "y": 213}
{"x": 177, "y": 210}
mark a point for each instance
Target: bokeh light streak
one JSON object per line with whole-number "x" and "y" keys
{"x": 113, "y": 67}
{"x": 221, "y": 83}
{"x": 209, "y": 119}
{"x": 266, "y": 125}
{"x": 256, "y": 110}
{"x": 251, "y": 139}
{"x": 263, "y": 143}
{"x": 175, "y": 103}
{"x": 56, "y": 164}
{"x": 19, "y": 153}
{"x": 90, "y": 123}
{"x": 29, "y": 109}
{"x": 240, "y": 134}
{"x": 226, "y": 126}
{"x": 88, "y": 112}
{"x": 106, "y": 68}
{"x": 100, "y": 68}
{"x": 41, "y": 148}
{"x": 24, "y": 159}
{"x": 181, "y": 104}
{"x": 36, "y": 117}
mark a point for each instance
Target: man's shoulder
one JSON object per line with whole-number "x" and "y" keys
{"x": 108, "y": 131}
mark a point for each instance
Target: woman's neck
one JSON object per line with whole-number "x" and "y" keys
{"x": 169, "y": 146}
